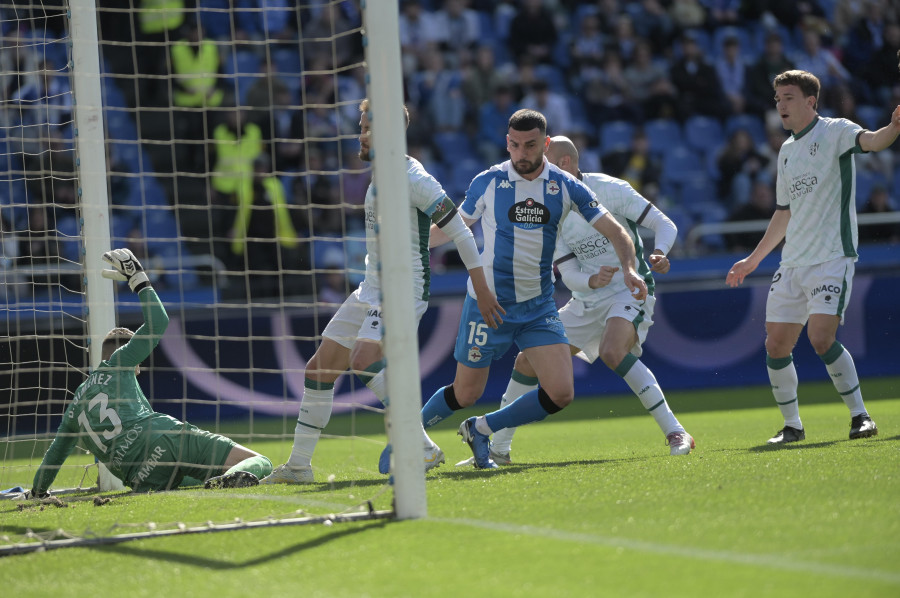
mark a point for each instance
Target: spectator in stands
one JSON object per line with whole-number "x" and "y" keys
{"x": 881, "y": 71}
{"x": 607, "y": 94}
{"x": 864, "y": 38}
{"x": 624, "y": 39}
{"x": 418, "y": 32}
{"x": 236, "y": 145}
{"x": 879, "y": 202}
{"x": 760, "y": 75}
{"x": 459, "y": 30}
{"x": 494, "y": 117}
{"x": 649, "y": 84}
{"x": 480, "y": 78}
{"x": 19, "y": 66}
{"x": 698, "y": 85}
{"x": 636, "y": 164}
{"x": 269, "y": 99}
{"x": 552, "y": 104}
{"x": 196, "y": 65}
{"x": 846, "y": 13}
{"x": 158, "y": 22}
{"x": 532, "y": 32}
{"x": 723, "y": 13}
{"x": 587, "y": 46}
{"x": 687, "y": 14}
{"x": 739, "y": 165}
{"x": 775, "y": 136}
{"x": 328, "y": 33}
{"x": 813, "y": 57}
{"x": 437, "y": 91}
{"x": 264, "y": 242}
{"x": 760, "y": 207}
{"x": 731, "y": 70}
{"x": 653, "y": 23}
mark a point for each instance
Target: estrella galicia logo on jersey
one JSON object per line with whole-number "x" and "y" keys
{"x": 474, "y": 354}
{"x": 375, "y": 314}
{"x": 552, "y": 187}
{"x": 528, "y": 214}
{"x": 504, "y": 184}
{"x": 813, "y": 149}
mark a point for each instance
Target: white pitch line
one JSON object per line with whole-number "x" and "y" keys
{"x": 759, "y": 560}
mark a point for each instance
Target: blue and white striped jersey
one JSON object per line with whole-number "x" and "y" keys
{"x": 520, "y": 220}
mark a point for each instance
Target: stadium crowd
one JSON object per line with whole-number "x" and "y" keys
{"x": 674, "y": 96}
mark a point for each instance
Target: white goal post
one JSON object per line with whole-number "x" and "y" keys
{"x": 382, "y": 44}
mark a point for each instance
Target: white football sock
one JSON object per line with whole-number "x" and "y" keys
{"x": 643, "y": 383}
{"x": 518, "y": 385}
{"x": 843, "y": 374}
{"x": 783, "y": 378}
{"x": 315, "y": 411}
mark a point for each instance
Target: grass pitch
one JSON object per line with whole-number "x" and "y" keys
{"x": 594, "y": 506}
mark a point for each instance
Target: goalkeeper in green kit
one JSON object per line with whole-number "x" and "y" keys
{"x": 110, "y": 416}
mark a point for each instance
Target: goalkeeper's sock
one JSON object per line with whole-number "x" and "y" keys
{"x": 315, "y": 411}
{"x": 259, "y": 466}
{"x": 440, "y": 406}
{"x": 783, "y": 378}
{"x": 533, "y": 406}
{"x": 643, "y": 383}
{"x": 518, "y": 385}
{"x": 842, "y": 370}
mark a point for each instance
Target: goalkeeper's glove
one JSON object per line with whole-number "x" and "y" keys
{"x": 125, "y": 267}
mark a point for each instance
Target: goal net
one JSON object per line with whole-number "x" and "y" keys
{"x": 224, "y": 154}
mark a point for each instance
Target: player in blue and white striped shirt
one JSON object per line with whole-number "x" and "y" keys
{"x": 521, "y": 203}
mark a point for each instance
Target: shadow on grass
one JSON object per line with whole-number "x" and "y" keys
{"x": 791, "y": 446}
{"x": 206, "y": 562}
{"x": 472, "y": 473}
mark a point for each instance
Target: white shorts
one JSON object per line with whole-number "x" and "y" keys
{"x": 585, "y": 325}
{"x": 798, "y": 292}
{"x": 359, "y": 316}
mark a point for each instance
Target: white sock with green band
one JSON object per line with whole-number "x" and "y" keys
{"x": 643, "y": 383}
{"x": 783, "y": 378}
{"x": 842, "y": 370}
{"x": 315, "y": 411}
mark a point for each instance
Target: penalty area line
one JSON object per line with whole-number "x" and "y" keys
{"x": 771, "y": 561}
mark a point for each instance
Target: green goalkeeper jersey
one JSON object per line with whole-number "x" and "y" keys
{"x": 109, "y": 414}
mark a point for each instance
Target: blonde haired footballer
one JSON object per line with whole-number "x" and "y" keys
{"x": 816, "y": 216}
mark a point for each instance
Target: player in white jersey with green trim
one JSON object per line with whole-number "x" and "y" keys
{"x": 816, "y": 216}
{"x": 603, "y": 319}
{"x": 110, "y": 416}
{"x": 352, "y": 338}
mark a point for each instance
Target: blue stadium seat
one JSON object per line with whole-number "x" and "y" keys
{"x": 703, "y": 133}
{"x": 616, "y": 135}
{"x": 866, "y": 181}
{"x": 698, "y": 192}
{"x": 753, "y": 124}
{"x": 453, "y": 146}
{"x": 245, "y": 69}
{"x": 662, "y": 134}
{"x": 215, "y": 18}
{"x": 872, "y": 117}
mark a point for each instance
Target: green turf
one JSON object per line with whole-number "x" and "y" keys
{"x": 593, "y": 507}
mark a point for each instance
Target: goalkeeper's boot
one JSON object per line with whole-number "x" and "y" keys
{"x": 498, "y": 458}
{"x": 434, "y": 456}
{"x": 680, "y": 443}
{"x": 862, "y": 426}
{"x": 788, "y": 434}
{"x": 235, "y": 479}
{"x": 285, "y": 474}
{"x": 479, "y": 443}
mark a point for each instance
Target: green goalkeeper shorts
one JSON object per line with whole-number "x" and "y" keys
{"x": 179, "y": 450}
